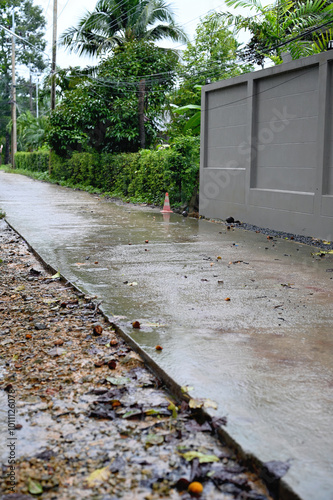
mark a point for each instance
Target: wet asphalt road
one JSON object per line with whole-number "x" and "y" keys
{"x": 265, "y": 356}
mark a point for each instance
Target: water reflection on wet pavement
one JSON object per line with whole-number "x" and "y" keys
{"x": 265, "y": 356}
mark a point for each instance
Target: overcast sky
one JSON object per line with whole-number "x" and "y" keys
{"x": 187, "y": 14}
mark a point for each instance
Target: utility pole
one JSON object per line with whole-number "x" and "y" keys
{"x": 30, "y": 92}
{"x": 54, "y": 55}
{"x": 142, "y": 134}
{"x": 14, "y": 128}
{"x": 37, "y": 108}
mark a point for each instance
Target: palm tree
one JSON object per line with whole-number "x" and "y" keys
{"x": 31, "y": 131}
{"x": 283, "y": 25}
{"x": 115, "y": 22}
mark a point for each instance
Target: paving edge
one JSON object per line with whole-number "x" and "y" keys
{"x": 279, "y": 489}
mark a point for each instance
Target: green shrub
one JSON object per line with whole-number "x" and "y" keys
{"x": 37, "y": 161}
{"x": 143, "y": 176}
{"x": 84, "y": 168}
{"x": 59, "y": 167}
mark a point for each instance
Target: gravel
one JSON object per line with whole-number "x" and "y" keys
{"x": 298, "y": 238}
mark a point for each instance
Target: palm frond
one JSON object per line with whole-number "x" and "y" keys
{"x": 161, "y": 31}
{"x": 245, "y": 4}
{"x": 115, "y": 21}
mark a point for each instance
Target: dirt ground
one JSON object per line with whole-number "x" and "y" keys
{"x": 82, "y": 416}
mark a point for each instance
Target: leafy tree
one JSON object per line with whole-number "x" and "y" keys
{"x": 117, "y": 22}
{"x": 282, "y": 26}
{"x": 30, "y": 26}
{"x": 104, "y": 109}
{"x": 120, "y": 24}
{"x": 213, "y": 55}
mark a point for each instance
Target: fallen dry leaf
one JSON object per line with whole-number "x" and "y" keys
{"x": 195, "y": 403}
{"x": 98, "y": 476}
{"x": 209, "y": 403}
{"x": 203, "y": 459}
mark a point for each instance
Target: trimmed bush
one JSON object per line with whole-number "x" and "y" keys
{"x": 37, "y": 161}
{"x": 142, "y": 177}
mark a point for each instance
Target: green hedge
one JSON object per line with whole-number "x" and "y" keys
{"x": 38, "y": 161}
{"x": 143, "y": 176}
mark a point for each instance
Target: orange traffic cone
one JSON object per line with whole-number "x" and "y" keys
{"x": 166, "y": 206}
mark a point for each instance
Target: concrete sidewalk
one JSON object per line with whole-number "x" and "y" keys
{"x": 265, "y": 356}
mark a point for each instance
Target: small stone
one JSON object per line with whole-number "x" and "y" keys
{"x": 98, "y": 363}
{"x": 40, "y": 326}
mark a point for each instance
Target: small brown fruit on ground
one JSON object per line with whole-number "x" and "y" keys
{"x": 58, "y": 342}
{"x": 227, "y": 299}
{"x": 136, "y": 324}
{"x": 97, "y": 330}
{"x": 195, "y": 489}
{"x": 159, "y": 348}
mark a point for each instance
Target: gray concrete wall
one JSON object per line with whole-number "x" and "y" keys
{"x": 267, "y": 147}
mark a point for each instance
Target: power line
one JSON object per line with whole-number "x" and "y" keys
{"x": 300, "y": 35}
{"x": 23, "y": 39}
{"x": 121, "y": 4}
{"x": 210, "y": 67}
{"x": 113, "y": 24}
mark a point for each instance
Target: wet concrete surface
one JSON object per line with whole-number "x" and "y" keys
{"x": 265, "y": 356}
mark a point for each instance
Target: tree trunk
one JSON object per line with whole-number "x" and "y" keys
{"x": 142, "y": 134}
